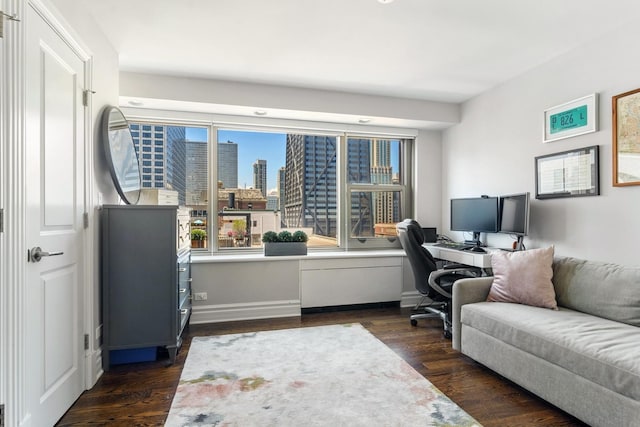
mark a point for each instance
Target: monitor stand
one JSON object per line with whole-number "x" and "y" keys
{"x": 475, "y": 241}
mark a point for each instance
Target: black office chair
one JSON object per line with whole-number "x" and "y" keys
{"x": 433, "y": 284}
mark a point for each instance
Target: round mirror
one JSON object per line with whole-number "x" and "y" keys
{"x": 121, "y": 155}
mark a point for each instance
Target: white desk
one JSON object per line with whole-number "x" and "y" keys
{"x": 476, "y": 259}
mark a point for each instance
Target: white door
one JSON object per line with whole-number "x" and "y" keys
{"x": 55, "y": 203}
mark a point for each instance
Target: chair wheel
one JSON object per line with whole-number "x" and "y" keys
{"x": 414, "y": 322}
{"x": 447, "y": 334}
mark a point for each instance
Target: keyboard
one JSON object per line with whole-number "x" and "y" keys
{"x": 452, "y": 245}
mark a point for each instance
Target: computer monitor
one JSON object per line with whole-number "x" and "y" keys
{"x": 477, "y": 215}
{"x": 514, "y": 216}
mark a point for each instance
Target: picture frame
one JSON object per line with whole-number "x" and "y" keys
{"x": 626, "y": 138}
{"x": 572, "y": 173}
{"x": 572, "y": 118}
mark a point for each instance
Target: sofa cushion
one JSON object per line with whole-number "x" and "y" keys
{"x": 600, "y": 350}
{"x": 523, "y": 277}
{"x": 605, "y": 290}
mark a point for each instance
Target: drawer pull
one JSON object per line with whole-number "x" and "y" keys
{"x": 189, "y": 280}
{"x": 182, "y": 270}
{"x": 184, "y": 311}
{"x": 183, "y": 290}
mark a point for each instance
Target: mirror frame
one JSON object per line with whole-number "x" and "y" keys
{"x": 121, "y": 155}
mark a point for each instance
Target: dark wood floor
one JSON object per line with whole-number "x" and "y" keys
{"x": 140, "y": 394}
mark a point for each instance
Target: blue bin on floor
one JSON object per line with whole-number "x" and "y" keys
{"x": 133, "y": 355}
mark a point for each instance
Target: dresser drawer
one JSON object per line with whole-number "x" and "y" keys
{"x": 184, "y": 318}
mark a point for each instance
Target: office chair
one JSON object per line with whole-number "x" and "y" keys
{"x": 433, "y": 284}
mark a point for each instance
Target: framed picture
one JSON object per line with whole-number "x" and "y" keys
{"x": 573, "y": 118}
{"x": 626, "y": 138}
{"x": 570, "y": 173}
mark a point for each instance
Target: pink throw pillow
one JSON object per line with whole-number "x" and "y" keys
{"x": 523, "y": 277}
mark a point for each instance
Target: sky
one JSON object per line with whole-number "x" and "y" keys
{"x": 258, "y": 145}
{"x": 251, "y": 147}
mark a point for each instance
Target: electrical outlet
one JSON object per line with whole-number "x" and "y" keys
{"x": 200, "y": 296}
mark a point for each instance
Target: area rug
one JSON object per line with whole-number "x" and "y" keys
{"x": 337, "y": 375}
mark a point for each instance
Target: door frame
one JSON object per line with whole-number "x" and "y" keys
{"x": 14, "y": 309}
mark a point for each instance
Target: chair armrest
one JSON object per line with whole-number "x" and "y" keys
{"x": 466, "y": 291}
{"x": 433, "y": 278}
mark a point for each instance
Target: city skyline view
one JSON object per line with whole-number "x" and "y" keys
{"x": 304, "y": 166}
{"x": 251, "y": 147}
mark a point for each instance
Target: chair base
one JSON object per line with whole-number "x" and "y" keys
{"x": 436, "y": 309}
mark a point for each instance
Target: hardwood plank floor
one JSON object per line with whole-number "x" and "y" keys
{"x": 140, "y": 394}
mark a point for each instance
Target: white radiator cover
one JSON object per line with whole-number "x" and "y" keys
{"x": 355, "y": 281}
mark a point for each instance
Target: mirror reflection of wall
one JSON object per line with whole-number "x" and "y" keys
{"x": 121, "y": 155}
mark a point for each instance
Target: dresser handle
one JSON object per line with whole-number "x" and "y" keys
{"x": 183, "y": 290}
{"x": 182, "y": 270}
{"x": 184, "y": 311}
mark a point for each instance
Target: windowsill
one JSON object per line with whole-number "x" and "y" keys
{"x": 205, "y": 257}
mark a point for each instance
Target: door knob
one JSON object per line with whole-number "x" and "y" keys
{"x": 36, "y": 254}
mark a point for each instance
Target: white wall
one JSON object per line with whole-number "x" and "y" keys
{"x": 492, "y": 151}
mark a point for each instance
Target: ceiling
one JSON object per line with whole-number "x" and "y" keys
{"x": 436, "y": 50}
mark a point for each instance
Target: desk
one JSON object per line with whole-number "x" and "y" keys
{"x": 475, "y": 259}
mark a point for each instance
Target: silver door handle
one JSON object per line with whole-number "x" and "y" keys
{"x": 36, "y": 254}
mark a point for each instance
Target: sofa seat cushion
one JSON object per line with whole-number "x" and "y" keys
{"x": 600, "y": 350}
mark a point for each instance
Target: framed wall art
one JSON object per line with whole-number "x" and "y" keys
{"x": 626, "y": 138}
{"x": 572, "y": 118}
{"x": 570, "y": 173}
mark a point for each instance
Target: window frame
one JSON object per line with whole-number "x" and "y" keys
{"x": 404, "y": 188}
{"x": 342, "y": 132}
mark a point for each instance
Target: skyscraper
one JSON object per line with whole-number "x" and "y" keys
{"x": 228, "y": 164}
{"x": 260, "y": 176}
{"x": 161, "y": 152}
{"x": 196, "y": 173}
{"x": 281, "y": 184}
{"x": 310, "y": 183}
{"x": 381, "y": 173}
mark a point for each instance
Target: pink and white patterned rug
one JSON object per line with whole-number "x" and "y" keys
{"x": 337, "y": 375}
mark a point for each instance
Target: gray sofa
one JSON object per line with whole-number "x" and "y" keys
{"x": 583, "y": 358}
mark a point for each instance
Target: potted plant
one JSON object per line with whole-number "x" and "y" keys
{"x": 198, "y": 236}
{"x": 285, "y": 243}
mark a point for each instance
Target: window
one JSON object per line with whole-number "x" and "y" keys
{"x": 376, "y": 184}
{"x": 345, "y": 191}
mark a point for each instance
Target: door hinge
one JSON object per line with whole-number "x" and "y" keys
{"x": 85, "y": 219}
{"x": 86, "y": 343}
{"x": 85, "y": 96}
{"x": 2, "y": 415}
{"x": 1, "y": 220}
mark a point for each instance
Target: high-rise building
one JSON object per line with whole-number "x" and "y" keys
{"x": 161, "y": 153}
{"x": 196, "y": 173}
{"x": 175, "y": 161}
{"x": 359, "y": 171}
{"x": 281, "y": 184}
{"x": 381, "y": 173}
{"x": 260, "y": 176}
{"x": 310, "y": 191}
{"x": 228, "y": 164}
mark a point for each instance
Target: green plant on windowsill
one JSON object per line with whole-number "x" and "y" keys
{"x": 198, "y": 234}
{"x": 285, "y": 243}
{"x": 284, "y": 236}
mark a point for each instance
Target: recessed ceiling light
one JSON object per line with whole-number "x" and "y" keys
{"x": 385, "y": 1}
{"x": 260, "y": 113}
{"x": 136, "y": 103}
{"x": 363, "y": 120}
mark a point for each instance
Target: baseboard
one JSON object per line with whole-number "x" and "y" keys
{"x": 410, "y": 299}
{"x": 94, "y": 370}
{"x": 249, "y": 311}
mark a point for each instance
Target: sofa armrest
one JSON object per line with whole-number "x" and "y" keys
{"x": 466, "y": 291}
